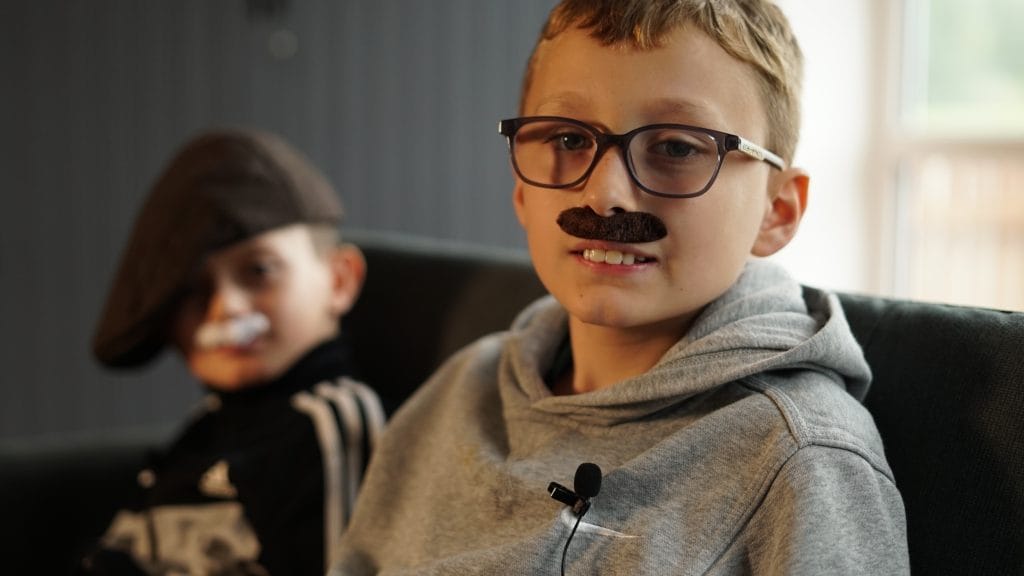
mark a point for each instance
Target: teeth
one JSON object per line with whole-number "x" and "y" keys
{"x": 612, "y": 257}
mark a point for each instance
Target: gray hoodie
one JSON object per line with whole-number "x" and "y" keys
{"x": 744, "y": 450}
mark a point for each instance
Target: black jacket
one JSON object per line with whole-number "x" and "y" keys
{"x": 260, "y": 481}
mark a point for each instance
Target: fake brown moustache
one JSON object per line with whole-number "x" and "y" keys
{"x": 625, "y": 227}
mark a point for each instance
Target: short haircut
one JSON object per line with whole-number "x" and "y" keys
{"x": 753, "y": 31}
{"x": 325, "y": 238}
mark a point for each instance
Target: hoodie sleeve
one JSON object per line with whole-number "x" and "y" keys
{"x": 828, "y": 512}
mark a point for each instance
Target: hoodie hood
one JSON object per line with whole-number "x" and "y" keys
{"x": 765, "y": 322}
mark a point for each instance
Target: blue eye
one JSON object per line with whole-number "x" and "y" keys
{"x": 574, "y": 141}
{"x": 570, "y": 140}
{"x": 677, "y": 149}
{"x": 676, "y": 146}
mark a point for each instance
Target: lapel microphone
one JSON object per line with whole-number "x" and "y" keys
{"x": 586, "y": 484}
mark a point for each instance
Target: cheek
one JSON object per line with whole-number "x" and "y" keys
{"x": 712, "y": 239}
{"x": 539, "y": 216}
{"x": 544, "y": 244}
{"x": 186, "y": 324}
{"x": 292, "y": 308}
{"x": 726, "y": 218}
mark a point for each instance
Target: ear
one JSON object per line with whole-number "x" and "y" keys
{"x": 348, "y": 271}
{"x": 518, "y": 201}
{"x": 787, "y": 201}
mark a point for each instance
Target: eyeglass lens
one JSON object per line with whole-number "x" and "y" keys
{"x": 672, "y": 161}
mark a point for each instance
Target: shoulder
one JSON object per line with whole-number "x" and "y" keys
{"x": 474, "y": 373}
{"x": 828, "y": 511}
{"x": 827, "y": 503}
{"x": 468, "y": 376}
{"x": 818, "y": 412}
{"x": 342, "y": 403}
{"x": 343, "y": 420}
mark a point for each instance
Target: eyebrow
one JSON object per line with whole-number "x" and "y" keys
{"x": 561, "y": 103}
{"x": 675, "y": 107}
{"x": 695, "y": 112}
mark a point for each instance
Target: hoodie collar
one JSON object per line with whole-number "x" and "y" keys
{"x": 765, "y": 322}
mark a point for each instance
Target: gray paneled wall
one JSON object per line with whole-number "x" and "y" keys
{"x": 397, "y": 100}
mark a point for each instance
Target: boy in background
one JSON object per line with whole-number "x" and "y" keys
{"x": 708, "y": 405}
{"x": 235, "y": 262}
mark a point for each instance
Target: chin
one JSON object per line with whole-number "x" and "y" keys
{"x": 231, "y": 378}
{"x": 629, "y": 312}
{"x": 233, "y": 384}
{"x": 621, "y": 312}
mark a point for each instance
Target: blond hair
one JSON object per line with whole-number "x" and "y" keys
{"x": 753, "y": 31}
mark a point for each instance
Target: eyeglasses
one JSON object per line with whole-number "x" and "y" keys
{"x": 668, "y": 160}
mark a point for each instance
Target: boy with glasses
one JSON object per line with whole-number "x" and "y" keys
{"x": 235, "y": 262}
{"x": 708, "y": 405}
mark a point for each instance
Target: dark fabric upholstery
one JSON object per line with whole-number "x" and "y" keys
{"x": 57, "y": 495}
{"x": 424, "y": 300}
{"x": 948, "y": 398}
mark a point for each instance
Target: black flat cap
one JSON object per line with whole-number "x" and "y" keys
{"x": 222, "y": 187}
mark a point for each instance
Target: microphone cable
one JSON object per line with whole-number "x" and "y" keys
{"x": 586, "y": 485}
{"x": 565, "y": 550}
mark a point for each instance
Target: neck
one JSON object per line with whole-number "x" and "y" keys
{"x": 603, "y": 356}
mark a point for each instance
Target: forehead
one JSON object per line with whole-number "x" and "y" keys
{"x": 687, "y": 79}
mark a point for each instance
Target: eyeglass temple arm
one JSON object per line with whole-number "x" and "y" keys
{"x": 755, "y": 151}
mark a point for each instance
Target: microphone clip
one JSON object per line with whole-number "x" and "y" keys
{"x": 577, "y": 503}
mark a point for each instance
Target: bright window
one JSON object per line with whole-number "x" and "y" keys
{"x": 957, "y": 149}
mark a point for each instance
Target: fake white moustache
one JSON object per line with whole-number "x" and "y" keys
{"x": 237, "y": 331}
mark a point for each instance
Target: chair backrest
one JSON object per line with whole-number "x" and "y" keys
{"x": 948, "y": 399}
{"x": 948, "y": 390}
{"x": 425, "y": 299}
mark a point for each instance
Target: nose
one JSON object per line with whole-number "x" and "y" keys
{"x": 609, "y": 189}
{"x": 227, "y": 299}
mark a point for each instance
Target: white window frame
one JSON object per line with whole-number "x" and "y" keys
{"x": 894, "y": 144}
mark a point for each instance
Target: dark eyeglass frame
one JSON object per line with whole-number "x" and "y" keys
{"x": 726, "y": 143}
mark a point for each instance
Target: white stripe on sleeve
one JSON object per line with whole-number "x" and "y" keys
{"x": 330, "y": 447}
